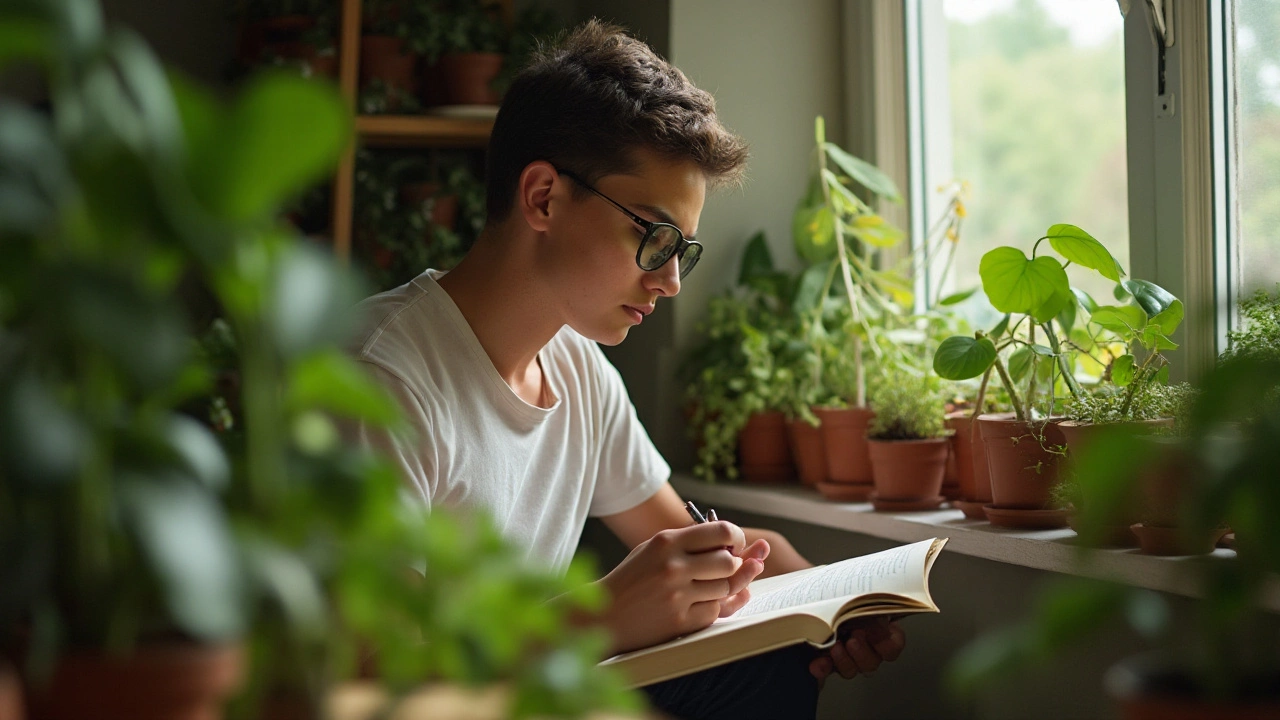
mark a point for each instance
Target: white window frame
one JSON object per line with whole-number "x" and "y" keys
{"x": 1180, "y": 220}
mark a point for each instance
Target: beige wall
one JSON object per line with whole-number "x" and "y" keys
{"x": 772, "y": 67}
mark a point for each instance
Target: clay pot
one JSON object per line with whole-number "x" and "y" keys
{"x": 973, "y": 500}
{"x": 1156, "y": 540}
{"x": 909, "y": 469}
{"x": 468, "y": 77}
{"x": 177, "y": 681}
{"x": 1147, "y": 688}
{"x": 444, "y": 210}
{"x": 844, "y": 435}
{"x": 807, "y": 451}
{"x": 763, "y": 453}
{"x": 958, "y": 483}
{"x": 1079, "y": 436}
{"x": 384, "y": 57}
{"x": 1023, "y": 472}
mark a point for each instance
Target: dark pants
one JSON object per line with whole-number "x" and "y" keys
{"x": 773, "y": 686}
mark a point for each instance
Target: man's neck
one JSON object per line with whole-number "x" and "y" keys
{"x": 507, "y": 309}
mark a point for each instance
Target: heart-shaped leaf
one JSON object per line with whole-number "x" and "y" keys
{"x": 1126, "y": 321}
{"x": 1082, "y": 248}
{"x": 1152, "y": 298}
{"x": 1122, "y": 370}
{"x": 1016, "y": 284}
{"x": 1020, "y": 362}
{"x": 961, "y": 357}
{"x": 1169, "y": 319}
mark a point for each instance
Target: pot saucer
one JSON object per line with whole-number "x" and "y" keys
{"x": 1024, "y": 518}
{"x": 972, "y": 509}
{"x": 845, "y": 492}
{"x": 889, "y": 505}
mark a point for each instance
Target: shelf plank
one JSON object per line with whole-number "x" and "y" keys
{"x": 420, "y": 130}
{"x": 1051, "y": 550}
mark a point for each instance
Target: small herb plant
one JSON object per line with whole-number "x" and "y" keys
{"x": 909, "y": 406}
{"x": 1259, "y": 336}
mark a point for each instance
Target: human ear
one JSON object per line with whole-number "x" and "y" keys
{"x": 534, "y": 193}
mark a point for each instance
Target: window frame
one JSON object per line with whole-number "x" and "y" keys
{"x": 1181, "y": 220}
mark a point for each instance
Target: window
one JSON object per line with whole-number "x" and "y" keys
{"x": 1253, "y": 98}
{"x": 1025, "y": 100}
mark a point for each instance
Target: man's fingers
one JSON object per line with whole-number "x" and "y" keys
{"x": 821, "y": 667}
{"x": 861, "y": 653}
{"x": 713, "y": 565}
{"x": 734, "y": 603}
{"x": 711, "y": 536}
{"x": 842, "y": 662}
{"x": 892, "y": 644}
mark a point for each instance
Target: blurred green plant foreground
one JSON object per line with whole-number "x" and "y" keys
{"x": 131, "y": 205}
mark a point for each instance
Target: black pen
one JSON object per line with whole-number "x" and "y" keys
{"x": 697, "y": 516}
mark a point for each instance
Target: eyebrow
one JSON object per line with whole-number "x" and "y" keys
{"x": 663, "y": 216}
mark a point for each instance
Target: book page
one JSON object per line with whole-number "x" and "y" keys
{"x": 895, "y": 571}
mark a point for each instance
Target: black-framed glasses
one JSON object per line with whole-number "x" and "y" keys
{"x": 661, "y": 240}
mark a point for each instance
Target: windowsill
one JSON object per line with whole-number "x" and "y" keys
{"x": 1052, "y": 550}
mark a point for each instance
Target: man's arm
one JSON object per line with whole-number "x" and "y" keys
{"x": 665, "y": 510}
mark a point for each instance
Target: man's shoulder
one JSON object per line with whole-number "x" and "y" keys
{"x": 395, "y": 327}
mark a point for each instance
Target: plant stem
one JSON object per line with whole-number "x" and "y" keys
{"x": 860, "y": 384}
{"x": 1070, "y": 379}
{"x": 982, "y": 393}
{"x": 1008, "y": 386}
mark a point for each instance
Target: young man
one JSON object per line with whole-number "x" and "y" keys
{"x": 598, "y": 167}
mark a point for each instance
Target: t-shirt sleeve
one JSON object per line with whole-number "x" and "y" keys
{"x": 631, "y": 468}
{"x": 409, "y": 448}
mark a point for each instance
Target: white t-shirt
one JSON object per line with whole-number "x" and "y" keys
{"x": 476, "y": 445}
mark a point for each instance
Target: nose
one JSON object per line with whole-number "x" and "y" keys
{"x": 666, "y": 279}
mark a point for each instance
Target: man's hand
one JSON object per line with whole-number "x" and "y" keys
{"x": 871, "y": 642}
{"x": 680, "y": 581}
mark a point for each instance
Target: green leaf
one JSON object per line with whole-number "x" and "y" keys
{"x": 809, "y": 289}
{"x": 311, "y": 300}
{"x": 199, "y": 450}
{"x": 1126, "y": 321}
{"x": 284, "y": 134}
{"x": 1152, "y": 298}
{"x": 282, "y": 576}
{"x": 1169, "y": 319}
{"x": 41, "y": 442}
{"x": 1016, "y": 284}
{"x": 756, "y": 259}
{"x": 813, "y": 231}
{"x": 1162, "y": 375}
{"x": 898, "y": 286}
{"x": 1054, "y": 306}
{"x": 1086, "y": 300}
{"x": 1042, "y": 350}
{"x": 875, "y": 231}
{"x": 1081, "y": 248}
{"x": 866, "y": 174}
{"x": 25, "y": 39}
{"x": 1081, "y": 337}
{"x": 1153, "y": 339}
{"x": 181, "y": 530}
{"x": 957, "y": 298}
{"x": 1067, "y": 316}
{"x": 960, "y": 357}
{"x": 1020, "y": 363}
{"x": 331, "y": 381}
{"x": 1122, "y": 370}
{"x": 1000, "y": 327}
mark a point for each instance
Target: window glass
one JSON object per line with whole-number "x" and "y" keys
{"x": 1256, "y": 105}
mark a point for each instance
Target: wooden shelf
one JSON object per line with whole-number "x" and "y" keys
{"x": 422, "y": 130}
{"x": 1051, "y": 550}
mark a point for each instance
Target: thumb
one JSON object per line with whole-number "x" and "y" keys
{"x": 758, "y": 550}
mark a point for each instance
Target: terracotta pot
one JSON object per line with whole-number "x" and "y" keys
{"x": 384, "y": 57}
{"x": 1079, "y": 436}
{"x": 960, "y": 458}
{"x": 253, "y": 38}
{"x": 10, "y": 694}
{"x": 1147, "y": 688}
{"x": 444, "y": 210}
{"x": 807, "y": 451}
{"x": 178, "y": 681}
{"x": 468, "y": 77}
{"x": 844, "y": 435}
{"x": 1023, "y": 472}
{"x": 1156, "y": 540}
{"x": 763, "y": 454}
{"x": 908, "y": 469}
{"x": 973, "y": 500}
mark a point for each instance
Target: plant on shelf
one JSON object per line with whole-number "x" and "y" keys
{"x": 474, "y": 44}
{"x": 1040, "y": 309}
{"x": 907, "y": 438}
{"x": 144, "y": 551}
{"x": 391, "y": 32}
{"x": 1219, "y": 659}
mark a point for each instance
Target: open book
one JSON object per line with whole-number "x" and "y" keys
{"x": 803, "y": 606}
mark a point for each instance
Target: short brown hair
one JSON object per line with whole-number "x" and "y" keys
{"x": 589, "y": 100}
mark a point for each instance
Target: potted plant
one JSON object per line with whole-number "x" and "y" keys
{"x": 148, "y": 556}
{"x": 474, "y": 42}
{"x": 908, "y": 441}
{"x": 739, "y": 381}
{"x": 1217, "y": 661}
{"x": 388, "y": 62}
{"x": 1023, "y": 452}
{"x": 302, "y": 31}
{"x": 826, "y": 220}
